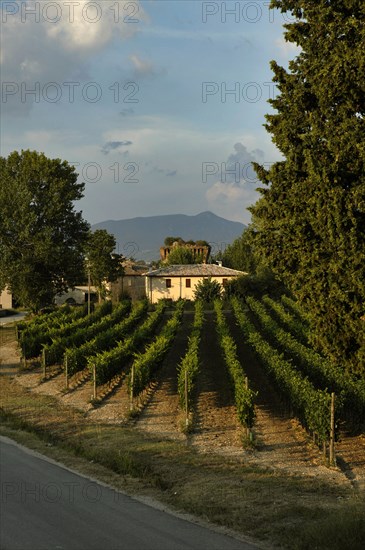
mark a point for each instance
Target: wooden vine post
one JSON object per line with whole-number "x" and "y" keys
{"x": 131, "y": 395}
{"x": 44, "y": 363}
{"x": 94, "y": 382}
{"x": 248, "y": 432}
{"x": 66, "y": 370}
{"x": 332, "y": 432}
{"x": 186, "y": 399}
{"x": 24, "y": 358}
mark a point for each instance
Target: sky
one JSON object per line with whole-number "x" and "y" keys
{"x": 159, "y": 104}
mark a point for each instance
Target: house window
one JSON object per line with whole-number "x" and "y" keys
{"x": 188, "y": 283}
{"x": 168, "y": 283}
{"x": 224, "y": 282}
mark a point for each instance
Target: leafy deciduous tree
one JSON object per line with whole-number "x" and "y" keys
{"x": 181, "y": 255}
{"x": 103, "y": 263}
{"x": 241, "y": 253}
{"x": 41, "y": 234}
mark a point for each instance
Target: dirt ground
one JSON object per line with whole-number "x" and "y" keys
{"x": 280, "y": 442}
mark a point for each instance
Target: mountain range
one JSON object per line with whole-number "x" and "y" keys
{"x": 142, "y": 237}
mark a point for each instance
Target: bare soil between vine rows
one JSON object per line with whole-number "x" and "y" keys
{"x": 280, "y": 443}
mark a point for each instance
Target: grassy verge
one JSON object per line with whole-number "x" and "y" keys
{"x": 291, "y": 512}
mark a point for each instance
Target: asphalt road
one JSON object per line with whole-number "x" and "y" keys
{"x": 44, "y": 506}
{"x": 11, "y": 318}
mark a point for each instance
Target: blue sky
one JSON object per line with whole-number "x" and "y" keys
{"x": 137, "y": 95}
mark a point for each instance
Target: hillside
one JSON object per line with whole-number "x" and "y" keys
{"x": 142, "y": 237}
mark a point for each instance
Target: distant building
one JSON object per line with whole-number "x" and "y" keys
{"x": 77, "y": 295}
{"x": 132, "y": 284}
{"x": 201, "y": 252}
{"x": 6, "y": 299}
{"x": 179, "y": 281}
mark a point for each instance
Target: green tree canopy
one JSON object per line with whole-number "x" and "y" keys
{"x": 104, "y": 264}
{"x": 311, "y": 216}
{"x": 208, "y": 290}
{"x": 41, "y": 235}
{"x": 169, "y": 241}
{"x": 241, "y": 253}
{"x": 180, "y": 255}
{"x": 244, "y": 255}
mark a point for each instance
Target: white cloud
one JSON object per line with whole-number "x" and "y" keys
{"x": 94, "y": 24}
{"x": 288, "y": 49}
{"x": 57, "y": 44}
{"x": 230, "y": 201}
{"x": 141, "y": 66}
{"x": 235, "y": 190}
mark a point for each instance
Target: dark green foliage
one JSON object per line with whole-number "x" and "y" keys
{"x": 311, "y": 405}
{"x": 103, "y": 263}
{"x": 241, "y": 253}
{"x": 190, "y": 363}
{"x": 291, "y": 323}
{"x": 109, "y": 363}
{"x": 185, "y": 252}
{"x": 77, "y": 357}
{"x": 182, "y": 255}
{"x": 293, "y": 307}
{"x": 244, "y": 396}
{"x": 54, "y": 353}
{"x": 61, "y": 315}
{"x": 207, "y": 290}
{"x": 311, "y": 220}
{"x": 169, "y": 241}
{"x": 33, "y": 342}
{"x": 146, "y": 363}
{"x": 41, "y": 235}
{"x": 320, "y": 371}
{"x": 257, "y": 285}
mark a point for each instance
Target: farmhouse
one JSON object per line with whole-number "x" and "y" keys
{"x": 6, "y": 299}
{"x": 179, "y": 281}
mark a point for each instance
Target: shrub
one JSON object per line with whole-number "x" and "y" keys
{"x": 208, "y": 290}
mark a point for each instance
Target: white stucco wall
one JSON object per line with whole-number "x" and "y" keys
{"x": 6, "y": 299}
{"x": 156, "y": 287}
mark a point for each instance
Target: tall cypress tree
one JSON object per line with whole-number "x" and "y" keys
{"x": 311, "y": 215}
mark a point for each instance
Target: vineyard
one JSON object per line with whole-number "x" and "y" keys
{"x": 130, "y": 349}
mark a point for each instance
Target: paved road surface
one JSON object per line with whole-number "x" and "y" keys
{"x": 46, "y": 507}
{"x": 11, "y": 318}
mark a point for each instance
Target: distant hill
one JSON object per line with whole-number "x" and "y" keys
{"x": 142, "y": 237}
